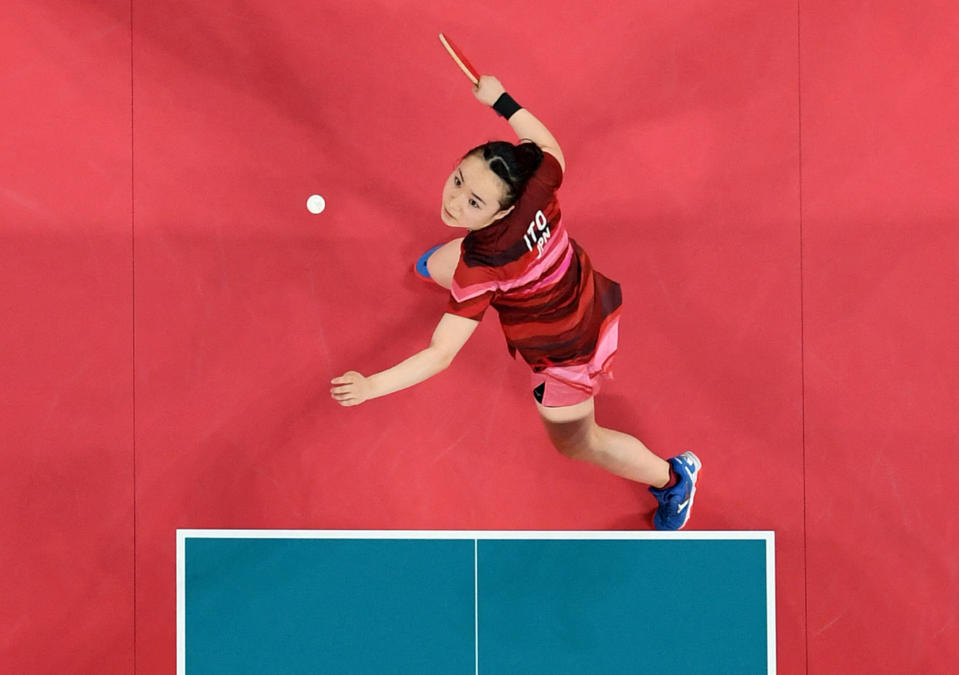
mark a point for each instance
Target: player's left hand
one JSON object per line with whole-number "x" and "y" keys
{"x": 350, "y": 389}
{"x": 488, "y": 89}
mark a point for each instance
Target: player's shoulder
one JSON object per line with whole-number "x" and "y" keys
{"x": 554, "y": 157}
{"x": 550, "y": 171}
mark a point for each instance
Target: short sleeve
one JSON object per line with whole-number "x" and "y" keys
{"x": 472, "y": 290}
{"x": 473, "y": 308}
{"x": 550, "y": 173}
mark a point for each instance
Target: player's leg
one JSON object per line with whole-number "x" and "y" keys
{"x": 574, "y": 432}
{"x": 440, "y": 263}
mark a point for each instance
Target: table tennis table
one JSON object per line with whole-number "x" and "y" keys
{"x": 449, "y": 602}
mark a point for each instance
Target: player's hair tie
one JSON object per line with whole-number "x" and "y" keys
{"x": 506, "y": 106}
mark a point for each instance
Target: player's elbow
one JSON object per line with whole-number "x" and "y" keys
{"x": 450, "y": 336}
{"x": 442, "y": 357}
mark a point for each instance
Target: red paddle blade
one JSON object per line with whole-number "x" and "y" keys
{"x": 460, "y": 58}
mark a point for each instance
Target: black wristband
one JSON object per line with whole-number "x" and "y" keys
{"x": 506, "y": 106}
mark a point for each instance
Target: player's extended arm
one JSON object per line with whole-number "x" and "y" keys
{"x": 524, "y": 123}
{"x": 450, "y": 335}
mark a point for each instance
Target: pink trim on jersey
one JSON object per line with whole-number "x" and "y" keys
{"x": 558, "y": 274}
{"x": 560, "y": 246}
{"x": 600, "y": 363}
{"x": 608, "y": 342}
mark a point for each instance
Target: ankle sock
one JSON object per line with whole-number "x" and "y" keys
{"x": 673, "y": 479}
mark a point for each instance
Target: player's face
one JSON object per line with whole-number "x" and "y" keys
{"x": 471, "y": 196}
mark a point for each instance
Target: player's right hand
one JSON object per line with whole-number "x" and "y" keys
{"x": 488, "y": 90}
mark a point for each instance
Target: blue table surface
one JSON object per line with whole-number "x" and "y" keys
{"x": 342, "y": 605}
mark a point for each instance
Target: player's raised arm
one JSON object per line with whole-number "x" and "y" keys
{"x": 491, "y": 92}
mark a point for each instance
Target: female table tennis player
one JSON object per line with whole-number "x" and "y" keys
{"x": 556, "y": 311}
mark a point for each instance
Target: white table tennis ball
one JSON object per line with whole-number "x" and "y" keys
{"x": 315, "y": 204}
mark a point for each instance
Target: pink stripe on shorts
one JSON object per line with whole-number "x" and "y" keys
{"x": 569, "y": 385}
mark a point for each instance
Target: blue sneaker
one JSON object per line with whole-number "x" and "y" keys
{"x": 676, "y": 502}
{"x": 420, "y": 268}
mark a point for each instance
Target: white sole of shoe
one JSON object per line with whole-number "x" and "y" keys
{"x": 692, "y": 491}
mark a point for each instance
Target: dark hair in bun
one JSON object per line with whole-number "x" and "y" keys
{"x": 514, "y": 164}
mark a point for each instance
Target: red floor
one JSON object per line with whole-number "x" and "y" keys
{"x": 773, "y": 184}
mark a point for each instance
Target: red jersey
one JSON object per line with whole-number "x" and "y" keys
{"x": 552, "y": 304}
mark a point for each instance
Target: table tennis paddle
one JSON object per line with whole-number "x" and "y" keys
{"x": 460, "y": 59}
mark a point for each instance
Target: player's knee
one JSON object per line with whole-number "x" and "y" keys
{"x": 574, "y": 440}
{"x": 572, "y": 450}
